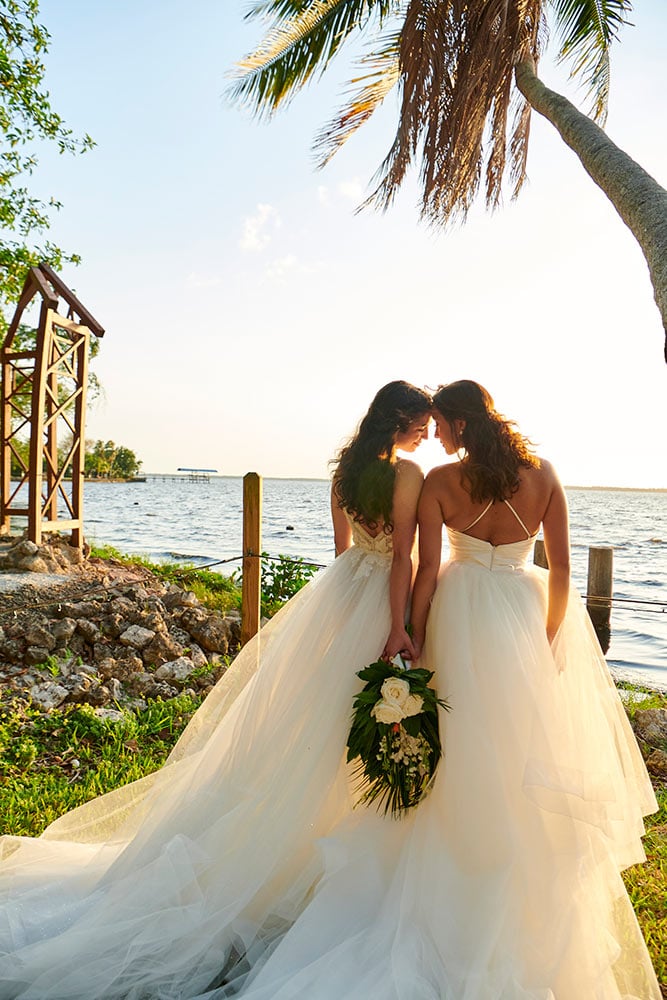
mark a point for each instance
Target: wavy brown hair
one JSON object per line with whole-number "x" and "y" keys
{"x": 365, "y": 469}
{"x": 495, "y": 449}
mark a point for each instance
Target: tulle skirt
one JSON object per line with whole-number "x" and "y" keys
{"x": 242, "y": 869}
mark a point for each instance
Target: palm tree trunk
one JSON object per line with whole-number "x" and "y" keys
{"x": 639, "y": 200}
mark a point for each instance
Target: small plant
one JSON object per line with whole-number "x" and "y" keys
{"x": 282, "y": 578}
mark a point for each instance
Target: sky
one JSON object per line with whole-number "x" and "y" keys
{"x": 251, "y": 314}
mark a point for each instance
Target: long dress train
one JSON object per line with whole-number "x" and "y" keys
{"x": 241, "y": 869}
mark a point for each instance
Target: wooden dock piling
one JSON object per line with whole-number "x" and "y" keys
{"x": 252, "y": 548}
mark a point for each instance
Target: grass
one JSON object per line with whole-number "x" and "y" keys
{"x": 50, "y": 763}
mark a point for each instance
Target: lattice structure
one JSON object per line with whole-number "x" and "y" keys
{"x": 44, "y": 389}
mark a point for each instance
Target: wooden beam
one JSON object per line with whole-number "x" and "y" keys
{"x": 71, "y": 300}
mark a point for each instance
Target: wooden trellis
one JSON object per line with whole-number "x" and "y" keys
{"x": 40, "y": 389}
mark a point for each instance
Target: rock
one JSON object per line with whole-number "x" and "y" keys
{"x": 128, "y": 664}
{"x": 109, "y": 714}
{"x": 38, "y": 636}
{"x": 650, "y": 725}
{"x": 137, "y": 637}
{"x": 35, "y": 655}
{"x": 106, "y": 668}
{"x": 88, "y": 630}
{"x": 176, "y": 671}
{"x": 197, "y": 656}
{"x": 656, "y": 763}
{"x": 112, "y": 625}
{"x": 24, "y": 548}
{"x": 12, "y": 650}
{"x": 79, "y": 685}
{"x": 161, "y": 649}
{"x": 32, "y": 564}
{"x": 63, "y": 630}
{"x": 121, "y": 606}
{"x": 160, "y": 689}
{"x": 115, "y": 689}
{"x": 49, "y": 695}
{"x": 213, "y": 634}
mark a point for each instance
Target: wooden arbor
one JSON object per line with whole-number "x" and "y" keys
{"x": 41, "y": 388}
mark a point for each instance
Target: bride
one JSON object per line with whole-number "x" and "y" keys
{"x": 180, "y": 881}
{"x": 504, "y": 882}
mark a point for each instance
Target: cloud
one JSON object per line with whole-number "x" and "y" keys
{"x": 282, "y": 266}
{"x": 351, "y": 190}
{"x": 254, "y": 237}
{"x": 323, "y": 194}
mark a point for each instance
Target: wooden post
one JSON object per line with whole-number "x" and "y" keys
{"x": 598, "y": 599}
{"x": 5, "y": 452}
{"x": 539, "y": 555}
{"x": 79, "y": 458}
{"x": 252, "y": 548}
{"x": 37, "y": 429}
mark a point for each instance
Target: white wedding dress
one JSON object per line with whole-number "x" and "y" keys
{"x": 241, "y": 868}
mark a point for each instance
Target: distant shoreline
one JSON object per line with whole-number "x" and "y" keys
{"x": 322, "y": 479}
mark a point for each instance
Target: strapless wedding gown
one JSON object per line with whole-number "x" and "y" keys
{"x": 241, "y": 869}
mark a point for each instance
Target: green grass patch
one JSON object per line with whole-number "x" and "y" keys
{"x": 647, "y": 886}
{"x": 50, "y": 763}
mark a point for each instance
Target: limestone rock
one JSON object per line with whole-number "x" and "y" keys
{"x": 38, "y": 636}
{"x": 48, "y": 695}
{"x": 63, "y": 630}
{"x": 35, "y": 655}
{"x": 177, "y": 671}
{"x": 137, "y": 637}
{"x": 650, "y": 725}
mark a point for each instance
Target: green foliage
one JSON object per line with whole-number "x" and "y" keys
{"x": 647, "y": 887}
{"x": 26, "y": 118}
{"x": 107, "y": 460}
{"x": 282, "y": 578}
{"x": 50, "y": 763}
{"x": 394, "y": 761}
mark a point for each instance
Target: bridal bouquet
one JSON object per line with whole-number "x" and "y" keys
{"x": 394, "y": 737}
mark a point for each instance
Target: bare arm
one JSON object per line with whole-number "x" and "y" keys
{"x": 557, "y": 550}
{"x": 341, "y": 526}
{"x": 430, "y": 548}
{"x": 409, "y": 480}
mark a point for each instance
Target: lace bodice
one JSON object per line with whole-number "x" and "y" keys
{"x": 509, "y": 557}
{"x": 381, "y": 544}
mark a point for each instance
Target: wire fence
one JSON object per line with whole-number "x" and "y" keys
{"x": 92, "y": 589}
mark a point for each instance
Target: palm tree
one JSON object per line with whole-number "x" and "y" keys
{"x": 465, "y": 71}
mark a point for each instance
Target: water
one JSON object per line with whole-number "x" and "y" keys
{"x": 169, "y": 518}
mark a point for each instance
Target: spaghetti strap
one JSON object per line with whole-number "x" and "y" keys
{"x": 479, "y": 516}
{"x": 518, "y": 518}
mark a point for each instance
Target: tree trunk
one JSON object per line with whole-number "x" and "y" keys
{"x": 639, "y": 200}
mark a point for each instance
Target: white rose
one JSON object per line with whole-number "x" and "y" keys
{"x": 387, "y": 713}
{"x": 413, "y": 705}
{"x": 395, "y": 691}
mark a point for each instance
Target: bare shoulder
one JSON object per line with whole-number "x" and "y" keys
{"x": 547, "y": 472}
{"x": 443, "y": 477}
{"x": 409, "y": 471}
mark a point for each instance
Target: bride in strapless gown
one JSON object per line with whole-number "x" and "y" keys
{"x": 159, "y": 889}
{"x": 504, "y": 883}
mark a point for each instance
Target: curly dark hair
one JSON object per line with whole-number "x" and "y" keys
{"x": 495, "y": 448}
{"x": 363, "y": 480}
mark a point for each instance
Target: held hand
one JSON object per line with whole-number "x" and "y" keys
{"x": 398, "y": 642}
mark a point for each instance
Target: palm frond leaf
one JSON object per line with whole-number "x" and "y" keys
{"x": 587, "y": 29}
{"x": 383, "y": 76}
{"x": 297, "y": 45}
{"x": 457, "y": 60}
